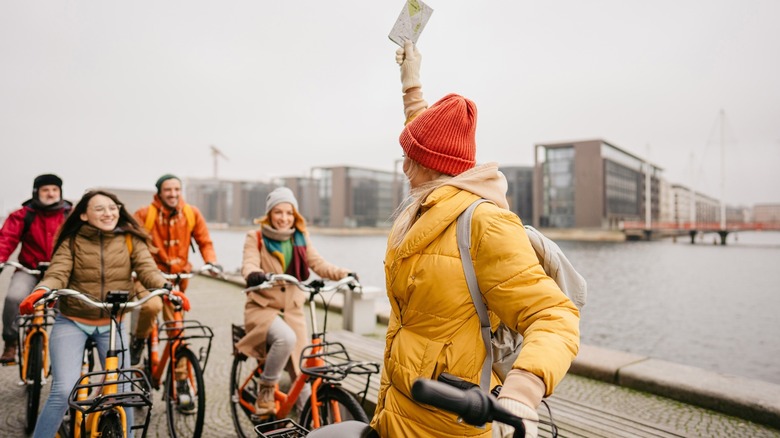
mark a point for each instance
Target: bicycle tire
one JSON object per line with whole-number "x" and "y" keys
{"x": 34, "y": 374}
{"x": 330, "y": 395}
{"x": 110, "y": 425}
{"x": 241, "y": 370}
{"x": 186, "y": 424}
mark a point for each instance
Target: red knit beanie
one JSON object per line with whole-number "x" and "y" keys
{"x": 442, "y": 137}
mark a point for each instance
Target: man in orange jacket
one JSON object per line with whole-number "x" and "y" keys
{"x": 172, "y": 224}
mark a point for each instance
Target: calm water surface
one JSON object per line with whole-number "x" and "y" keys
{"x": 703, "y": 305}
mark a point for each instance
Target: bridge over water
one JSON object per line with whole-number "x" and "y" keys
{"x": 640, "y": 230}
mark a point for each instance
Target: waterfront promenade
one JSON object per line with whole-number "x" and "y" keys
{"x": 583, "y": 406}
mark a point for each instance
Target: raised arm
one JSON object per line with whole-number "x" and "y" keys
{"x": 409, "y": 58}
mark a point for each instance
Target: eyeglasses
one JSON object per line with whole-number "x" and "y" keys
{"x": 113, "y": 208}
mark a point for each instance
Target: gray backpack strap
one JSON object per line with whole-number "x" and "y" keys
{"x": 463, "y": 228}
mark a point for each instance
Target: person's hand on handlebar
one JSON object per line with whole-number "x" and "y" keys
{"x": 255, "y": 278}
{"x": 529, "y": 416}
{"x": 27, "y": 306}
{"x": 178, "y": 296}
{"x": 521, "y": 392}
{"x": 214, "y": 269}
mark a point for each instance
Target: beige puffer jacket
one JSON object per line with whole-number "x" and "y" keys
{"x": 99, "y": 262}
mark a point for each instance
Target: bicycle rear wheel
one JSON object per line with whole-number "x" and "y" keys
{"x": 185, "y": 412}
{"x": 242, "y": 374}
{"x": 34, "y": 374}
{"x": 335, "y": 405}
{"x": 110, "y": 425}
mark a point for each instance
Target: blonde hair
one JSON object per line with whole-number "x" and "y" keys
{"x": 407, "y": 213}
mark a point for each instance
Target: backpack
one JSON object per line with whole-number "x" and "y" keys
{"x": 189, "y": 215}
{"x": 151, "y": 216}
{"x": 503, "y": 345}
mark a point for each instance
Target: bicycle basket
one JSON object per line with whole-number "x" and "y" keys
{"x": 285, "y": 428}
{"x": 137, "y": 396}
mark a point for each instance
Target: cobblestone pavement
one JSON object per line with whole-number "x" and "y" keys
{"x": 578, "y": 401}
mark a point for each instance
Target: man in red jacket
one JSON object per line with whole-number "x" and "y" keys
{"x": 34, "y": 226}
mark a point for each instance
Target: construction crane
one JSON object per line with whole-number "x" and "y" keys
{"x": 216, "y": 153}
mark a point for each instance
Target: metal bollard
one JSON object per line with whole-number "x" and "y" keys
{"x": 359, "y": 315}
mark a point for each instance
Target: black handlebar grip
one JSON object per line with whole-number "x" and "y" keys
{"x": 472, "y": 405}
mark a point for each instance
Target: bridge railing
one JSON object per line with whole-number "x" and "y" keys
{"x": 701, "y": 226}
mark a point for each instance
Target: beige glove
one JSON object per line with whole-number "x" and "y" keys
{"x": 409, "y": 58}
{"x": 530, "y": 419}
{"x": 521, "y": 391}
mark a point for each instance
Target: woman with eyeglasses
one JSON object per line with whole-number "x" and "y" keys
{"x": 98, "y": 247}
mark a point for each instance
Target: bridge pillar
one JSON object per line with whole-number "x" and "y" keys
{"x": 692, "y": 233}
{"x": 723, "y": 234}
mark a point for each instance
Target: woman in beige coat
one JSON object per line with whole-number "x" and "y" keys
{"x": 281, "y": 245}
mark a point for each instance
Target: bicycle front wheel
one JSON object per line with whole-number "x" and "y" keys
{"x": 110, "y": 425}
{"x": 244, "y": 385}
{"x": 34, "y": 374}
{"x": 334, "y": 405}
{"x": 185, "y": 401}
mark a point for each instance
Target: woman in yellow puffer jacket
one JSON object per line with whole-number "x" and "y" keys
{"x": 434, "y": 327}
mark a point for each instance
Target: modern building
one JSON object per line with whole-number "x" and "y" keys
{"x": 705, "y": 210}
{"x": 520, "y": 194}
{"x": 766, "y": 213}
{"x": 593, "y": 184}
{"x": 234, "y": 203}
{"x": 351, "y": 197}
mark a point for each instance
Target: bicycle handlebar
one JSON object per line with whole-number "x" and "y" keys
{"x": 472, "y": 405}
{"x": 56, "y": 293}
{"x": 21, "y": 267}
{"x": 208, "y": 267}
{"x": 314, "y": 287}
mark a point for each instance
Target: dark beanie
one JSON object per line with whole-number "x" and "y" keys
{"x": 47, "y": 179}
{"x": 164, "y": 178}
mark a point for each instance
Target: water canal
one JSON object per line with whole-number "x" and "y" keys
{"x": 703, "y": 305}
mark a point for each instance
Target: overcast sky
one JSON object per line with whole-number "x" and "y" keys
{"x": 118, "y": 93}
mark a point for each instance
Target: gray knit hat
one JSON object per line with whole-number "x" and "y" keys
{"x": 279, "y": 195}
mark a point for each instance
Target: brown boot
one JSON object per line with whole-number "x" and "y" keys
{"x": 9, "y": 353}
{"x": 265, "y": 404}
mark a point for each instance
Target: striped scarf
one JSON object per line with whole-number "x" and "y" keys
{"x": 298, "y": 267}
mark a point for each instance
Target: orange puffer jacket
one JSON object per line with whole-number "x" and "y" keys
{"x": 171, "y": 235}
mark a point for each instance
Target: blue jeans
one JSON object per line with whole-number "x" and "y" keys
{"x": 66, "y": 351}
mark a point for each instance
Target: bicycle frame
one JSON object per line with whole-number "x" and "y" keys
{"x": 29, "y": 326}
{"x": 174, "y": 337}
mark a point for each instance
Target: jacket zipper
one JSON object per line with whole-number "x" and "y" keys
{"x": 102, "y": 271}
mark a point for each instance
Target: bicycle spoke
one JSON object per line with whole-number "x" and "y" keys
{"x": 185, "y": 400}
{"x": 243, "y": 377}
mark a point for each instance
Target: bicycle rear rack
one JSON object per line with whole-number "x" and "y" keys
{"x": 337, "y": 366}
{"x": 284, "y": 428}
{"x": 187, "y": 330}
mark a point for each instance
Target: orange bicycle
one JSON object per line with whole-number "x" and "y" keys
{"x": 185, "y": 400}
{"x": 323, "y": 364}
{"x": 33, "y": 352}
